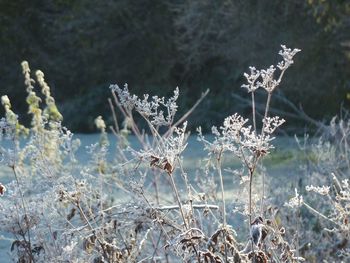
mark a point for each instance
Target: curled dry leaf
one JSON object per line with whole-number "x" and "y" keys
{"x": 210, "y": 257}
{"x": 259, "y": 257}
{"x": 161, "y": 163}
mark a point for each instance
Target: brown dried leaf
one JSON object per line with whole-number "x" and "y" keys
{"x": 154, "y": 160}
{"x": 210, "y": 257}
{"x": 2, "y": 189}
{"x": 89, "y": 244}
{"x": 214, "y": 237}
{"x": 259, "y": 257}
{"x": 168, "y": 167}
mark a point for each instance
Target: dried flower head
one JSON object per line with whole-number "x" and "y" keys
{"x": 322, "y": 190}
{"x": 265, "y": 78}
{"x": 100, "y": 123}
{"x": 160, "y": 111}
{"x": 252, "y": 79}
{"x": 287, "y": 55}
{"x": 296, "y": 201}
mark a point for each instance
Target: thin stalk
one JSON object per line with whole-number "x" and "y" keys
{"x": 25, "y": 213}
{"x": 267, "y": 107}
{"x": 188, "y": 188}
{"x": 182, "y": 213}
{"x": 156, "y": 188}
{"x": 320, "y": 214}
{"x": 250, "y": 195}
{"x": 253, "y": 111}
{"x": 101, "y": 194}
{"x": 156, "y": 246}
{"x": 346, "y": 152}
{"x": 178, "y": 199}
{"x": 114, "y": 115}
{"x": 222, "y": 189}
{"x": 223, "y": 199}
{"x": 185, "y": 116}
{"x": 297, "y": 238}
{"x": 91, "y": 228}
{"x": 127, "y": 114}
{"x": 262, "y": 195}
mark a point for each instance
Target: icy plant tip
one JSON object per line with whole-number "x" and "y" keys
{"x": 265, "y": 78}
{"x": 296, "y": 201}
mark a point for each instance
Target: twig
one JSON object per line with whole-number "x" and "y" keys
{"x": 185, "y": 116}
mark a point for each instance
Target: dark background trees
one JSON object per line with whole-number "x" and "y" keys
{"x": 154, "y": 46}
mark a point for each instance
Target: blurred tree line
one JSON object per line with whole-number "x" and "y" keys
{"x": 154, "y": 46}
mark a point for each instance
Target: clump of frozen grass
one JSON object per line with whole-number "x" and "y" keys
{"x": 326, "y": 193}
{"x": 28, "y": 208}
{"x": 61, "y": 211}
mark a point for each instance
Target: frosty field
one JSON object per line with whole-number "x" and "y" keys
{"x": 280, "y": 166}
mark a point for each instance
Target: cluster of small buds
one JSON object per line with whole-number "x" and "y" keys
{"x": 5, "y": 101}
{"x": 45, "y": 89}
{"x": 126, "y": 99}
{"x": 344, "y": 194}
{"x": 271, "y": 124}
{"x": 10, "y": 125}
{"x": 265, "y": 78}
{"x": 177, "y": 143}
{"x": 323, "y": 190}
{"x": 287, "y": 55}
{"x": 228, "y": 137}
{"x": 296, "y": 201}
{"x": 51, "y": 111}
{"x": 28, "y": 81}
{"x": 149, "y": 108}
{"x": 252, "y": 79}
{"x": 11, "y": 117}
{"x": 269, "y": 83}
{"x": 235, "y": 135}
{"x": 100, "y": 124}
{"x": 32, "y": 99}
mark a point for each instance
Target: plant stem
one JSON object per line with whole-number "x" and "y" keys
{"x": 25, "y": 214}
{"x": 262, "y": 195}
{"x": 178, "y": 199}
{"x": 320, "y": 214}
{"x": 253, "y": 111}
{"x": 250, "y": 195}
{"x": 267, "y": 108}
{"x": 222, "y": 189}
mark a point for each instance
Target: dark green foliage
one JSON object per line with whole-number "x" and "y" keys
{"x": 85, "y": 45}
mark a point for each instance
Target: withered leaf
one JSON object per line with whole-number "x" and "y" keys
{"x": 2, "y": 189}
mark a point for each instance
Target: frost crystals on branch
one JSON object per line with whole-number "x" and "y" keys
{"x": 265, "y": 78}
{"x": 149, "y": 108}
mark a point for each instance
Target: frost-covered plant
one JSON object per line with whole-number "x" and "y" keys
{"x": 246, "y": 142}
{"x": 29, "y": 212}
{"x": 326, "y": 194}
{"x": 60, "y": 210}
